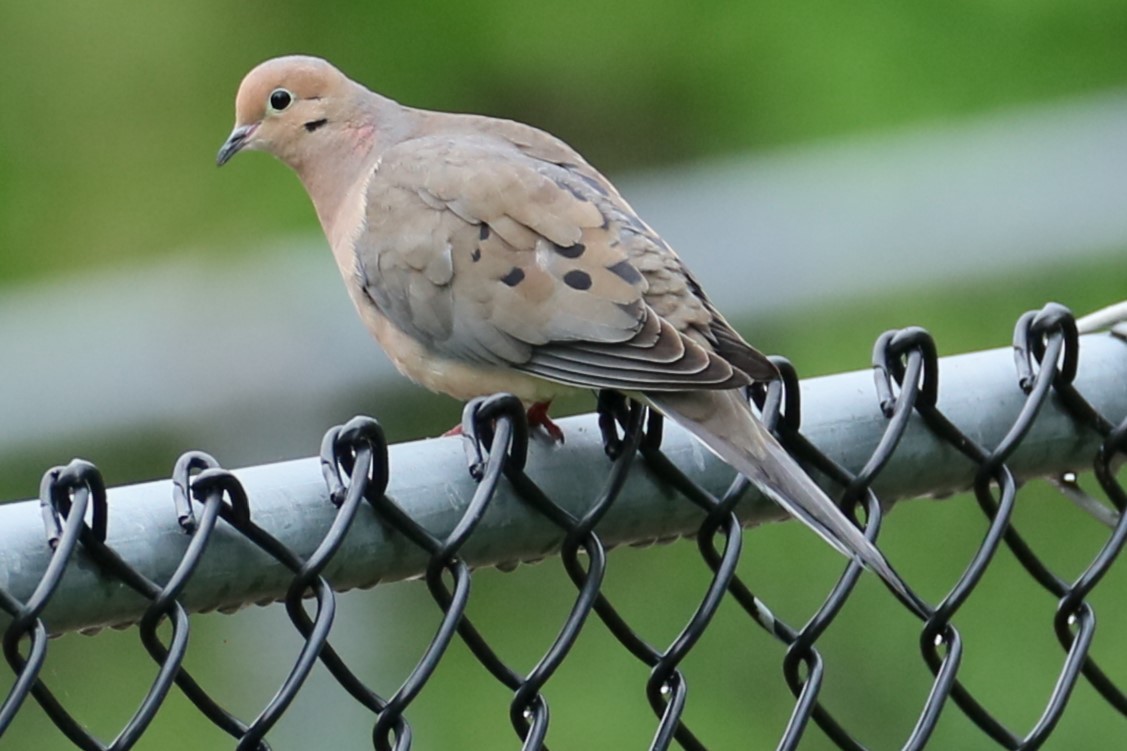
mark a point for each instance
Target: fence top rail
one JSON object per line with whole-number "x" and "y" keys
{"x": 978, "y": 391}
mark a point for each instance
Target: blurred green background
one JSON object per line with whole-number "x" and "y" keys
{"x": 111, "y": 116}
{"x": 113, "y": 109}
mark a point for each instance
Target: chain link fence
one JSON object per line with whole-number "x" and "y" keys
{"x": 225, "y": 544}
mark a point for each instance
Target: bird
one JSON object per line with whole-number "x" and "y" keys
{"x": 486, "y": 255}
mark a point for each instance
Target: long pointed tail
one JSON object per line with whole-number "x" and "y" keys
{"x": 723, "y": 421}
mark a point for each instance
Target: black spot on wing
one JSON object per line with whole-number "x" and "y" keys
{"x": 625, "y": 271}
{"x": 483, "y": 231}
{"x": 514, "y": 277}
{"x": 577, "y": 279}
{"x": 571, "y": 251}
{"x": 476, "y": 255}
{"x": 313, "y": 125}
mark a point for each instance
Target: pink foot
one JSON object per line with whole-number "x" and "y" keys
{"x": 538, "y": 417}
{"x": 456, "y": 430}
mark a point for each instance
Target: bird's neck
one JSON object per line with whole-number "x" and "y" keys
{"x": 334, "y": 174}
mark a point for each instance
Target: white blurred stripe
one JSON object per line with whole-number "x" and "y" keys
{"x": 188, "y": 338}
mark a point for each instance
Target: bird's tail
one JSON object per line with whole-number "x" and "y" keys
{"x": 724, "y": 422}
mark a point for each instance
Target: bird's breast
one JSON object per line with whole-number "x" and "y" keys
{"x": 459, "y": 379}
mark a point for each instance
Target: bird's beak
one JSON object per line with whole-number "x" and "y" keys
{"x": 234, "y": 143}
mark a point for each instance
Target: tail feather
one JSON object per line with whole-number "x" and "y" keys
{"x": 723, "y": 421}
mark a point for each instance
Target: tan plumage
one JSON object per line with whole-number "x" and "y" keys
{"x": 486, "y": 255}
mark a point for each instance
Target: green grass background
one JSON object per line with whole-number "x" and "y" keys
{"x": 110, "y": 117}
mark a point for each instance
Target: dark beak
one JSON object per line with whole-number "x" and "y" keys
{"x": 234, "y": 143}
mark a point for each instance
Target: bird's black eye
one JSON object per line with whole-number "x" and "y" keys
{"x": 280, "y": 99}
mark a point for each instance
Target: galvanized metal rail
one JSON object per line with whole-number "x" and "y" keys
{"x": 842, "y": 416}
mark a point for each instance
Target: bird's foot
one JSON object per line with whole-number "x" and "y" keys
{"x": 538, "y": 417}
{"x": 612, "y": 410}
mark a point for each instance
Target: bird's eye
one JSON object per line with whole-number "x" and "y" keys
{"x": 280, "y": 99}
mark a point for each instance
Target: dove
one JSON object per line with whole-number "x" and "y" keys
{"x": 485, "y": 255}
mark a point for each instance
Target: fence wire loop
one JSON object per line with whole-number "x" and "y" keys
{"x": 340, "y": 449}
{"x": 891, "y": 355}
{"x": 478, "y": 429}
{"x": 1033, "y": 331}
{"x": 780, "y": 399}
{"x": 189, "y": 463}
{"x": 236, "y": 510}
{"x": 61, "y": 485}
{"x": 355, "y": 468}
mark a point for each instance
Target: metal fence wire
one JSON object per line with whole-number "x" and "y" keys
{"x": 354, "y": 460}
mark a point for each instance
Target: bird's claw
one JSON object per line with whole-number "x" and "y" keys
{"x": 538, "y": 417}
{"x": 612, "y": 410}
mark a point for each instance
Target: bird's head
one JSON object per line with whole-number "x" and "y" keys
{"x": 285, "y": 104}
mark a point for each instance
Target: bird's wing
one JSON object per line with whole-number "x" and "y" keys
{"x": 485, "y": 253}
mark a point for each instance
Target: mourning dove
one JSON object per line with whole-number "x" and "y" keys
{"x": 486, "y": 255}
